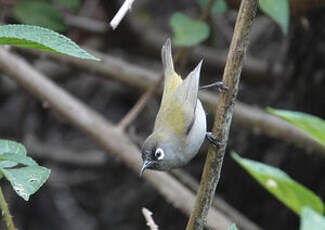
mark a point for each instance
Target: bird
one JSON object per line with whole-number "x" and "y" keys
{"x": 181, "y": 125}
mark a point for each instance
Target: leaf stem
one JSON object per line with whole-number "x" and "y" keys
{"x": 212, "y": 169}
{"x": 5, "y": 212}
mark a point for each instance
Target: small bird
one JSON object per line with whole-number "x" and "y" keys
{"x": 180, "y": 126}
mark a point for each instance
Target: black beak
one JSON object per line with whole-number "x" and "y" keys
{"x": 145, "y": 165}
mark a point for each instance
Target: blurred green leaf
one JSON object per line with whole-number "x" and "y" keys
{"x": 278, "y": 10}
{"x": 27, "y": 180}
{"x": 188, "y": 32}
{"x": 70, "y": 4}
{"x": 310, "y": 124}
{"x": 311, "y": 220}
{"x": 233, "y": 227}
{"x": 219, "y": 7}
{"x": 277, "y": 182}
{"x": 39, "y": 13}
{"x": 13, "y": 147}
{"x": 41, "y": 38}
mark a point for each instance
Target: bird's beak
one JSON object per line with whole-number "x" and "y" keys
{"x": 145, "y": 165}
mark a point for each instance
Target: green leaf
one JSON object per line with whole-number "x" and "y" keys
{"x": 219, "y": 7}
{"x": 39, "y": 13}
{"x": 20, "y": 159}
{"x": 188, "y": 32}
{"x": 277, "y": 182}
{"x": 27, "y": 180}
{"x": 278, "y": 10}
{"x": 13, "y": 147}
{"x": 233, "y": 227}
{"x": 311, "y": 220}
{"x": 310, "y": 124}
{"x": 41, "y": 38}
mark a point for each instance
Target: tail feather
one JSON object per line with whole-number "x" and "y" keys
{"x": 167, "y": 59}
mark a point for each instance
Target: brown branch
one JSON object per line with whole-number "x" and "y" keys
{"x": 250, "y": 117}
{"x": 108, "y": 136}
{"x": 231, "y": 77}
{"x": 5, "y": 212}
{"x": 240, "y": 219}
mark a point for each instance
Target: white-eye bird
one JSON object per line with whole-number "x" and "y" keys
{"x": 180, "y": 126}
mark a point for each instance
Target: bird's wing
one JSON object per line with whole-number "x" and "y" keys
{"x": 186, "y": 95}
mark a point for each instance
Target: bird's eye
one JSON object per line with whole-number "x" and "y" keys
{"x": 159, "y": 154}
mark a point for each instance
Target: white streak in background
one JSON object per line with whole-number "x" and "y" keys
{"x": 127, "y": 5}
{"x": 148, "y": 216}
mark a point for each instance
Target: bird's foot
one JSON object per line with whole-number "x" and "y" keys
{"x": 218, "y": 84}
{"x": 213, "y": 140}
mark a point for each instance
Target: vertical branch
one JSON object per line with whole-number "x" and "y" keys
{"x": 212, "y": 168}
{"x": 5, "y": 212}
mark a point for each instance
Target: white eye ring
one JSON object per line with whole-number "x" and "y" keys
{"x": 159, "y": 154}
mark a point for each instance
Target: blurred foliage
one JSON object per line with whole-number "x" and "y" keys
{"x": 219, "y": 7}
{"x": 72, "y": 5}
{"x": 28, "y": 178}
{"x": 233, "y": 227}
{"x": 187, "y": 31}
{"x": 40, "y": 38}
{"x": 310, "y": 124}
{"x": 39, "y": 13}
{"x": 278, "y": 10}
{"x": 278, "y": 183}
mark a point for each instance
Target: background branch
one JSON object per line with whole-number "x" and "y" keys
{"x": 148, "y": 216}
{"x": 127, "y": 5}
{"x": 231, "y": 77}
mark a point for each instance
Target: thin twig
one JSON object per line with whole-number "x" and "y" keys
{"x": 137, "y": 108}
{"x": 5, "y": 212}
{"x": 247, "y": 116}
{"x": 148, "y": 216}
{"x": 127, "y": 5}
{"x": 181, "y": 54}
{"x": 108, "y": 136}
{"x": 231, "y": 77}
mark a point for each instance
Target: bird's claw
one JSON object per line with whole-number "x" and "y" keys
{"x": 213, "y": 140}
{"x": 219, "y": 85}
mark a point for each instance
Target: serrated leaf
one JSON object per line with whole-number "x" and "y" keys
{"x": 291, "y": 193}
{"x": 278, "y": 10}
{"x": 27, "y": 180}
{"x": 39, "y": 13}
{"x": 219, "y": 7}
{"x": 233, "y": 227}
{"x": 13, "y": 147}
{"x": 311, "y": 220}
{"x": 188, "y": 32}
{"x": 310, "y": 124}
{"x": 20, "y": 159}
{"x": 41, "y": 38}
